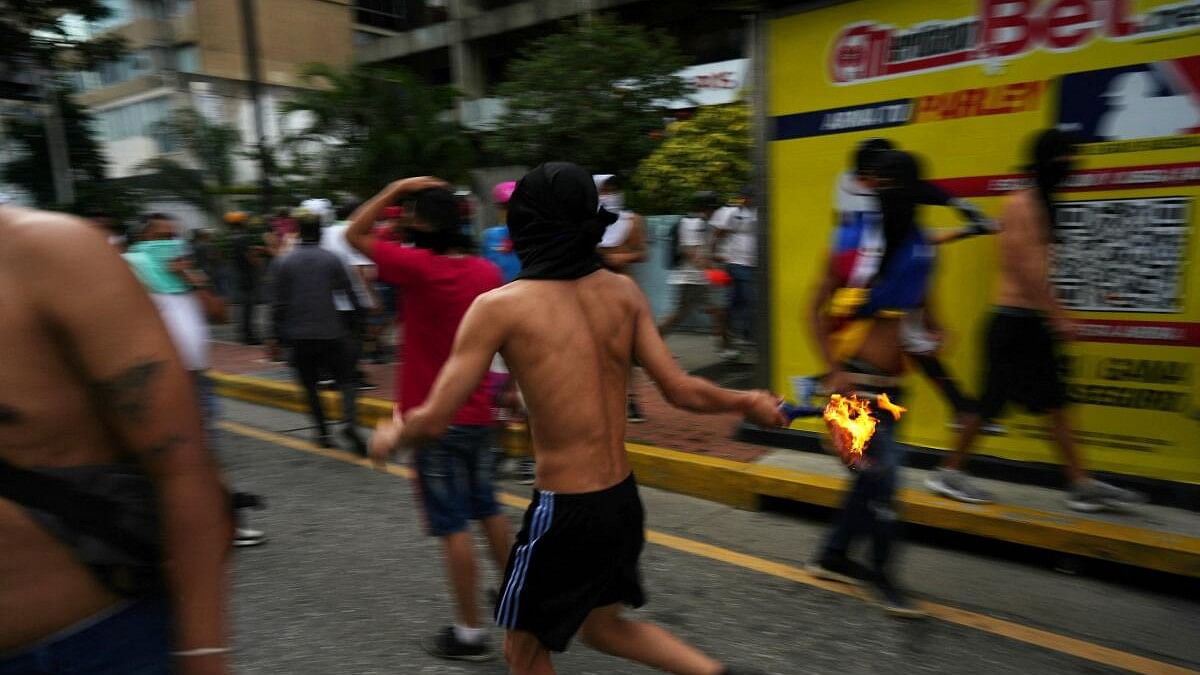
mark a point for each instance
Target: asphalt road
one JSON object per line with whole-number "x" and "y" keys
{"x": 348, "y": 584}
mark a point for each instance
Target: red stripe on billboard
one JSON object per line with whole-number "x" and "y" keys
{"x": 1092, "y": 180}
{"x": 1164, "y": 333}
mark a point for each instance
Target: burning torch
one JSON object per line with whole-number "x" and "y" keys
{"x": 848, "y": 418}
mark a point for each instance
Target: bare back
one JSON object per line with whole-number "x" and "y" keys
{"x": 46, "y": 419}
{"x": 570, "y": 352}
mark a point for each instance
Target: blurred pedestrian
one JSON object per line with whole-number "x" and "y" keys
{"x": 209, "y": 258}
{"x": 497, "y": 245}
{"x": 622, "y": 246}
{"x": 1026, "y": 329}
{"x": 100, "y": 417}
{"x": 874, "y": 277}
{"x": 690, "y": 247}
{"x": 184, "y": 295}
{"x": 307, "y": 321}
{"x": 857, "y": 206}
{"x": 737, "y": 234}
{"x": 361, "y": 272}
{"x": 249, "y": 263}
{"x": 440, "y": 280}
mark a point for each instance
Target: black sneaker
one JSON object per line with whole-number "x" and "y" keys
{"x": 363, "y": 385}
{"x": 893, "y": 601}
{"x": 325, "y": 441}
{"x": 840, "y": 569}
{"x": 446, "y": 645}
{"x": 633, "y": 412}
{"x": 357, "y": 445}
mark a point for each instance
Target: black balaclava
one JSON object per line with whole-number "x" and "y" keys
{"x": 900, "y": 179}
{"x": 555, "y": 222}
{"x": 1051, "y": 164}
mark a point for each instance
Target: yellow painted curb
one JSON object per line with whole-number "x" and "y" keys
{"x": 742, "y": 485}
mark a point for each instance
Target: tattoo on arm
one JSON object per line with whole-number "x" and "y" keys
{"x": 127, "y": 395}
{"x": 159, "y": 450}
{"x": 9, "y": 415}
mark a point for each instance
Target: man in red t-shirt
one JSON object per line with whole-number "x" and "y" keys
{"x": 440, "y": 280}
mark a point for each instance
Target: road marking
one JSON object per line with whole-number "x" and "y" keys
{"x": 988, "y": 624}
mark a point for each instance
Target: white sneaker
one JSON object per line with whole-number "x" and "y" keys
{"x": 956, "y": 485}
{"x": 245, "y": 536}
{"x": 730, "y": 355}
{"x": 1090, "y": 495}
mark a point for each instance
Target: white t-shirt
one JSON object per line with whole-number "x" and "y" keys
{"x": 333, "y": 239}
{"x": 741, "y": 222}
{"x": 184, "y": 316}
{"x": 618, "y": 232}
{"x": 693, "y": 231}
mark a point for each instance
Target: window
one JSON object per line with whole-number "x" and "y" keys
{"x": 187, "y": 59}
{"x": 133, "y": 119}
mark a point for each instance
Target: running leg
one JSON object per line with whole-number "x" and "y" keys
{"x": 526, "y": 655}
{"x": 607, "y": 631}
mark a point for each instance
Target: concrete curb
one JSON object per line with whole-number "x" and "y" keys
{"x": 742, "y": 485}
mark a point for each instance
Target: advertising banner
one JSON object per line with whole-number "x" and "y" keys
{"x": 964, "y": 84}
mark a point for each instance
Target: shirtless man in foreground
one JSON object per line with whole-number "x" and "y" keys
{"x": 568, "y": 330}
{"x": 90, "y": 377}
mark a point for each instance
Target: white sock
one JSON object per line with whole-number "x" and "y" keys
{"x": 468, "y": 635}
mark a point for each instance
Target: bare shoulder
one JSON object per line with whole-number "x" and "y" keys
{"x": 39, "y": 240}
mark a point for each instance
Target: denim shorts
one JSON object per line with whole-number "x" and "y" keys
{"x": 131, "y": 639}
{"x": 454, "y": 478}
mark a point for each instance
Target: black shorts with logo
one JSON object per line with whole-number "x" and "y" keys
{"x": 1021, "y": 363}
{"x": 575, "y": 552}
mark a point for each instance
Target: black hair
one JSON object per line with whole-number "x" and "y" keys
{"x": 613, "y": 182}
{"x": 157, "y": 215}
{"x": 309, "y": 224}
{"x": 347, "y": 209}
{"x": 438, "y": 208}
{"x": 899, "y": 173}
{"x": 867, "y": 154}
{"x": 705, "y": 199}
{"x": 1046, "y": 154}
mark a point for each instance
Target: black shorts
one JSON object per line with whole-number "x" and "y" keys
{"x": 575, "y": 552}
{"x": 1021, "y": 363}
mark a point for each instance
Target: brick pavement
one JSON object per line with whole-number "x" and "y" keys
{"x": 665, "y": 427}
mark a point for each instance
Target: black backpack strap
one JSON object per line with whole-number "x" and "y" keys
{"x": 79, "y": 510}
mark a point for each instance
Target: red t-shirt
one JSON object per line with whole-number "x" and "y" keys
{"x": 438, "y": 289}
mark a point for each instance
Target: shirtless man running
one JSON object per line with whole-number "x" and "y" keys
{"x": 90, "y": 377}
{"x": 568, "y": 330}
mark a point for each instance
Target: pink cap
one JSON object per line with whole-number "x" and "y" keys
{"x": 503, "y": 191}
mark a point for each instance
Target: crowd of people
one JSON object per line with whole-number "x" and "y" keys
{"x": 546, "y": 322}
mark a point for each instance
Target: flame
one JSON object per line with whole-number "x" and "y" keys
{"x": 885, "y": 403}
{"x": 850, "y": 426}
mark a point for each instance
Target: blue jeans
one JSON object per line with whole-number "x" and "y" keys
{"x": 870, "y": 506}
{"x": 454, "y": 474}
{"x": 133, "y": 640}
{"x": 742, "y": 300}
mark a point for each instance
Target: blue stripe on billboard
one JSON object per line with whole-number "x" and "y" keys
{"x": 842, "y": 120}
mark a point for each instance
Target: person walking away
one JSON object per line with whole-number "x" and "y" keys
{"x": 1025, "y": 332}
{"x": 306, "y": 318}
{"x": 440, "y": 279}
{"x": 248, "y": 262}
{"x": 96, "y": 580}
{"x": 361, "y": 272}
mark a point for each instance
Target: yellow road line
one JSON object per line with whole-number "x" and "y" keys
{"x": 1014, "y": 631}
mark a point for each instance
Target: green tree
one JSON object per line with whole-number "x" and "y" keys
{"x": 212, "y": 146}
{"x": 592, "y": 95}
{"x": 38, "y": 33}
{"x": 31, "y": 167}
{"x": 711, "y": 151}
{"x": 369, "y": 126}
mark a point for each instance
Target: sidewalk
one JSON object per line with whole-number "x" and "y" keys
{"x": 696, "y": 455}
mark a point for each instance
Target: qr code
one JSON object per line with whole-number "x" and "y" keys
{"x": 1122, "y": 255}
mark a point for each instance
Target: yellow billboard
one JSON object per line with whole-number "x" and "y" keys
{"x": 964, "y": 84}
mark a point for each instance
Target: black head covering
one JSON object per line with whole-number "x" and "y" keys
{"x": 1050, "y": 169}
{"x": 555, "y": 222}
